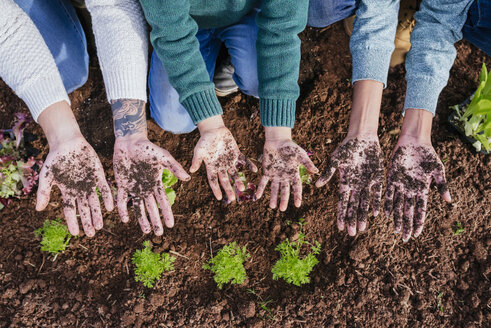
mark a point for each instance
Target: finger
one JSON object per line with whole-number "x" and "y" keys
{"x": 106, "y": 193}
{"x": 441, "y": 184}
{"x": 309, "y": 165}
{"x": 123, "y": 205}
{"x": 215, "y": 187}
{"x": 176, "y": 168}
{"x": 407, "y": 224}
{"x": 363, "y": 210}
{"x": 44, "y": 189}
{"x": 420, "y": 215}
{"x": 285, "y": 196}
{"x": 262, "y": 186}
{"x": 153, "y": 213}
{"x": 351, "y": 214}
{"x": 344, "y": 194}
{"x": 139, "y": 208}
{"x": 297, "y": 191}
{"x": 398, "y": 210}
{"x": 389, "y": 199}
{"x": 248, "y": 163}
{"x": 165, "y": 207}
{"x": 327, "y": 174}
{"x": 227, "y": 187}
{"x": 95, "y": 208}
{"x": 275, "y": 187}
{"x": 84, "y": 211}
{"x": 197, "y": 160}
{"x": 377, "y": 198}
{"x": 239, "y": 185}
{"x": 70, "y": 211}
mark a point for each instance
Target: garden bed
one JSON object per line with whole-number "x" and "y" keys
{"x": 440, "y": 279}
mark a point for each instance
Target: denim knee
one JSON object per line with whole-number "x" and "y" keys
{"x": 477, "y": 28}
{"x": 248, "y": 84}
{"x": 323, "y": 13}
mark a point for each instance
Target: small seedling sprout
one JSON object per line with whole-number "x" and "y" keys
{"x": 228, "y": 265}
{"x": 440, "y": 304}
{"x": 149, "y": 266}
{"x": 55, "y": 236}
{"x": 458, "y": 229}
{"x": 291, "y": 267}
{"x": 168, "y": 180}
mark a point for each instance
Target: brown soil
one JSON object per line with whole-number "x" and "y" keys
{"x": 373, "y": 280}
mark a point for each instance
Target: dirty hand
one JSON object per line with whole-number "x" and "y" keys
{"x": 361, "y": 174}
{"x": 138, "y": 168}
{"x": 281, "y": 160}
{"x": 74, "y": 167}
{"x": 222, "y": 157}
{"x": 411, "y": 169}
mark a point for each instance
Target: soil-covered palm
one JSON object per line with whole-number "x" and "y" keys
{"x": 361, "y": 174}
{"x": 77, "y": 171}
{"x": 138, "y": 168}
{"x": 281, "y": 161}
{"x": 222, "y": 157}
{"x": 411, "y": 171}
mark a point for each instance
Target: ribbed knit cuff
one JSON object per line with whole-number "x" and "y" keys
{"x": 43, "y": 93}
{"x": 422, "y": 92}
{"x": 127, "y": 83}
{"x": 202, "y": 105}
{"x": 277, "y": 112}
{"x": 371, "y": 64}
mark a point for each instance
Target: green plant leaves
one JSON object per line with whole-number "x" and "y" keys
{"x": 149, "y": 266}
{"x": 168, "y": 180}
{"x": 55, "y": 236}
{"x": 228, "y": 265}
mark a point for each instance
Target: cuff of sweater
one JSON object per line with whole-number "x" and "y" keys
{"x": 371, "y": 64}
{"x": 422, "y": 92}
{"x": 202, "y": 105}
{"x": 277, "y": 112}
{"x": 43, "y": 93}
{"x": 126, "y": 84}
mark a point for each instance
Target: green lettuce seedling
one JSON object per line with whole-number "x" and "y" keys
{"x": 228, "y": 265}
{"x": 149, "y": 266}
{"x": 291, "y": 267}
{"x": 169, "y": 179}
{"x": 55, "y": 236}
{"x": 304, "y": 175}
{"x": 476, "y": 117}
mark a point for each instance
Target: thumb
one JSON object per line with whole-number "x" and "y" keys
{"x": 441, "y": 184}
{"x": 309, "y": 165}
{"x": 197, "y": 160}
{"x": 44, "y": 189}
{"x": 328, "y": 173}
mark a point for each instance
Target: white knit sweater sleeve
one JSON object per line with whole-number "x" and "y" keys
{"x": 121, "y": 39}
{"x": 26, "y": 64}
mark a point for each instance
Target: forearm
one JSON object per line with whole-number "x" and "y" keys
{"x": 278, "y": 52}
{"x": 417, "y": 126}
{"x": 121, "y": 38}
{"x": 365, "y": 111}
{"x": 439, "y": 26}
{"x": 26, "y": 64}
{"x": 129, "y": 119}
{"x": 372, "y": 41}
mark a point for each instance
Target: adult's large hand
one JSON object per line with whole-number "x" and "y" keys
{"x": 412, "y": 168}
{"x": 361, "y": 174}
{"x": 281, "y": 160}
{"x": 138, "y": 168}
{"x": 223, "y": 159}
{"x": 74, "y": 167}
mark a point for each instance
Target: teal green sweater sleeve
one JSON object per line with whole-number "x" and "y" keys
{"x": 173, "y": 37}
{"x": 278, "y": 59}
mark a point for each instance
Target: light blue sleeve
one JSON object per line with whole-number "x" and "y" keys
{"x": 428, "y": 63}
{"x": 372, "y": 41}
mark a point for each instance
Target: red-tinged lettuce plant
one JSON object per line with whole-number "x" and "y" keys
{"x": 475, "y": 118}
{"x": 18, "y": 175}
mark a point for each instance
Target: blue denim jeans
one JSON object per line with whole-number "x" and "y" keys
{"x": 240, "y": 40}
{"x": 323, "y": 13}
{"x": 477, "y": 28}
{"x": 62, "y": 32}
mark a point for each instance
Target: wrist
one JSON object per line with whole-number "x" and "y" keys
{"x": 365, "y": 112}
{"x": 417, "y": 126}
{"x": 132, "y": 139}
{"x": 277, "y": 133}
{"x": 211, "y": 123}
{"x": 59, "y": 124}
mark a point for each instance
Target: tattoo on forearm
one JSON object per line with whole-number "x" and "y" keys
{"x": 128, "y": 116}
